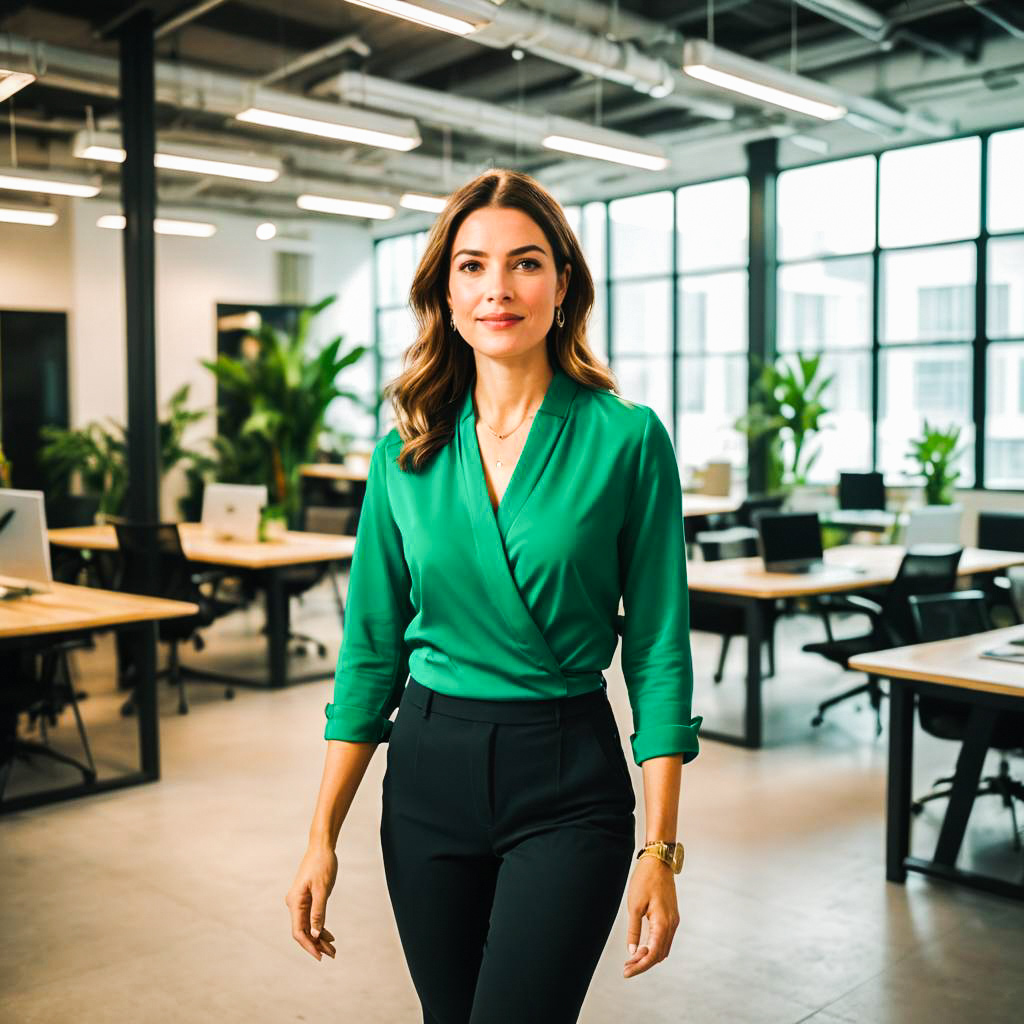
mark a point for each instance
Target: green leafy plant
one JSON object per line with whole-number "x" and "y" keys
{"x": 5, "y": 469}
{"x": 272, "y": 406}
{"x": 98, "y": 452}
{"x": 936, "y": 453}
{"x": 786, "y": 412}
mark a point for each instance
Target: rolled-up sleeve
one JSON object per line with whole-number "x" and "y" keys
{"x": 656, "y": 659}
{"x": 374, "y": 659}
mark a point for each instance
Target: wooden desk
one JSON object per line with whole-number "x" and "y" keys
{"x": 68, "y": 610}
{"x": 952, "y": 669}
{"x": 745, "y": 582}
{"x": 333, "y": 471}
{"x": 708, "y": 505}
{"x": 264, "y": 562}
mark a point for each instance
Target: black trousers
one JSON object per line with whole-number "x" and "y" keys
{"x": 508, "y": 834}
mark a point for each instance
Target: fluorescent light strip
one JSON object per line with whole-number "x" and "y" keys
{"x": 162, "y": 226}
{"x": 47, "y": 186}
{"x": 344, "y": 207}
{"x": 327, "y": 129}
{"x": 428, "y": 204}
{"x": 111, "y": 154}
{"x": 42, "y": 218}
{"x": 221, "y": 168}
{"x": 13, "y": 81}
{"x": 419, "y": 15}
{"x": 580, "y": 147}
{"x": 765, "y": 93}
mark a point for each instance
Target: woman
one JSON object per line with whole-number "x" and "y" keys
{"x": 516, "y": 501}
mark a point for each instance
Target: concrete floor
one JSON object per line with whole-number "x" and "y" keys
{"x": 165, "y": 903}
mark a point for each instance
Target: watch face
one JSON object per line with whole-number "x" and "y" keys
{"x": 677, "y": 857}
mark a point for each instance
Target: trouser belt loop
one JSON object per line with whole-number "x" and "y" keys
{"x": 426, "y": 703}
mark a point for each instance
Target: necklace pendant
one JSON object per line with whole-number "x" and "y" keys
{"x": 498, "y": 464}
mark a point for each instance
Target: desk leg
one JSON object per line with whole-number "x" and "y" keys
{"x": 143, "y": 643}
{"x": 277, "y": 628}
{"x": 901, "y": 771}
{"x": 752, "y": 714}
{"x": 965, "y": 784}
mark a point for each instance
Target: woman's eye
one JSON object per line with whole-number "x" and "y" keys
{"x": 469, "y": 265}
{"x": 530, "y": 264}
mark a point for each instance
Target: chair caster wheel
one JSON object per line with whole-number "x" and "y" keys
{"x": 321, "y": 650}
{"x": 89, "y": 777}
{"x": 229, "y": 694}
{"x": 817, "y": 720}
{"x": 916, "y": 808}
{"x": 182, "y": 709}
{"x": 300, "y": 652}
{"x": 127, "y": 709}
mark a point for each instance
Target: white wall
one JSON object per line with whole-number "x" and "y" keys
{"x": 78, "y": 267}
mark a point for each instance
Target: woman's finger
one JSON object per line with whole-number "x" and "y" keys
{"x": 654, "y": 951}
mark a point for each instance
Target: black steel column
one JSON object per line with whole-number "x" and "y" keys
{"x": 979, "y": 350}
{"x": 138, "y": 197}
{"x": 762, "y": 170}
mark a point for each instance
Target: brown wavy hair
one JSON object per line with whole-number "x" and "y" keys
{"x": 439, "y": 365}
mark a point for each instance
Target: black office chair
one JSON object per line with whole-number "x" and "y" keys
{"x": 941, "y": 617}
{"x": 1002, "y": 531}
{"x": 38, "y": 682}
{"x": 861, "y": 491}
{"x": 727, "y": 621}
{"x": 920, "y": 572}
{"x": 177, "y": 579}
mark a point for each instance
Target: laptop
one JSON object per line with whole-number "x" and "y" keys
{"x": 232, "y": 511}
{"x": 933, "y": 524}
{"x": 24, "y": 545}
{"x": 790, "y": 541}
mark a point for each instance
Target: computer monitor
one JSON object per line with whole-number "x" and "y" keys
{"x": 24, "y": 545}
{"x": 861, "y": 491}
{"x": 232, "y": 511}
{"x": 789, "y": 541}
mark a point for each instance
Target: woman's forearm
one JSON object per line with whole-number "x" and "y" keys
{"x": 662, "y": 777}
{"x": 344, "y": 768}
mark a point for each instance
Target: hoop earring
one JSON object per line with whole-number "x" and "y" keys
{"x": 559, "y": 317}
{"x": 451, "y": 318}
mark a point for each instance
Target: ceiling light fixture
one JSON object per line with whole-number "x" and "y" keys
{"x": 266, "y": 231}
{"x": 344, "y": 207}
{"x": 41, "y": 218}
{"x": 708, "y": 63}
{"x": 347, "y": 124}
{"x": 421, "y": 15}
{"x": 172, "y": 156}
{"x": 600, "y": 151}
{"x": 163, "y": 226}
{"x": 13, "y": 81}
{"x": 419, "y": 201}
{"x": 19, "y": 180}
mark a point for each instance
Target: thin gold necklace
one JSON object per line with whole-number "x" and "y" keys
{"x": 501, "y": 437}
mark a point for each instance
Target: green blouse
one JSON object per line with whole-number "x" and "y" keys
{"x": 521, "y": 604}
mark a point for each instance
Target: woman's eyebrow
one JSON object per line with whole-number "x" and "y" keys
{"x": 512, "y": 252}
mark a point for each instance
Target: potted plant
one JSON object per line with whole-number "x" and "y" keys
{"x": 97, "y": 454}
{"x": 273, "y": 523}
{"x": 786, "y": 412}
{"x": 274, "y": 397}
{"x": 5, "y": 469}
{"x": 936, "y": 454}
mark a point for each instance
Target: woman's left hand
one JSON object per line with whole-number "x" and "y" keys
{"x": 652, "y": 894}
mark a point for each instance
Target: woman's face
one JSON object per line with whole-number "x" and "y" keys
{"x": 503, "y": 284}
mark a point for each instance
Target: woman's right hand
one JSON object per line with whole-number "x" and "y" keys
{"x": 307, "y": 901}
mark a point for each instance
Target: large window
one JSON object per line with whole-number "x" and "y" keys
{"x": 1004, "y": 416}
{"x": 711, "y": 328}
{"x": 825, "y": 299}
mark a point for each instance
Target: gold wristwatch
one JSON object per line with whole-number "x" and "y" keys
{"x": 669, "y": 853}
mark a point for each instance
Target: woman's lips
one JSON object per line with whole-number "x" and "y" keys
{"x": 501, "y": 323}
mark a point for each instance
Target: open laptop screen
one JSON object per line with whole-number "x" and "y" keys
{"x": 789, "y": 537}
{"x": 24, "y": 545}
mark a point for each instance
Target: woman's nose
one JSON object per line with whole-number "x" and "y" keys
{"x": 498, "y": 286}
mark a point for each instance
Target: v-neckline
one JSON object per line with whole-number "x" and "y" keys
{"x": 540, "y": 440}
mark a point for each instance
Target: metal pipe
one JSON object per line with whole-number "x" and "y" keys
{"x": 188, "y": 13}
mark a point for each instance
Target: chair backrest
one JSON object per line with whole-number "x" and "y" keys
{"x": 174, "y": 575}
{"x": 934, "y": 524}
{"x": 1001, "y": 531}
{"x": 717, "y": 479}
{"x": 861, "y": 491}
{"x": 942, "y": 616}
{"x": 755, "y": 503}
{"x": 920, "y": 572}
